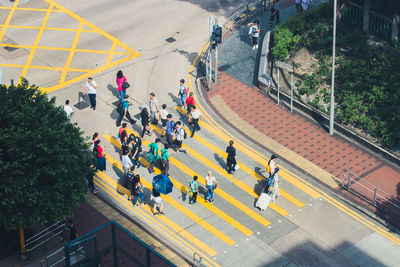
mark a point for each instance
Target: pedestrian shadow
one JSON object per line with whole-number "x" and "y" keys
{"x": 147, "y": 195}
{"x": 258, "y": 188}
{"x": 259, "y": 171}
{"x": 115, "y": 115}
{"x": 175, "y": 98}
{"x": 184, "y": 195}
{"x": 220, "y": 160}
{"x": 203, "y": 191}
{"x": 113, "y": 90}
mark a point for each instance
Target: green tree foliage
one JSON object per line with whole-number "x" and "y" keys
{"x": 284, "y": 41}
{"x": 44, "y": 161}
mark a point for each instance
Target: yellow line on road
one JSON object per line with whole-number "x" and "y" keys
{"x": 37, "y": 40}
{"x": 110, "y": 56}
{"x": 172, "y": 201}
{"x": 183, "y": 189}
{"x": 251, "y": 213}
{"x": 42, "y": 67}
{"x": 246, "y": 169}
{"x": 230, "y": 177}
{"x": 71, "y": 53}
{"x": 9, "y": 17}
{"x": 283, "y": 173}
{"x": 46, "y": 28}
{"x": 109, "y": 183}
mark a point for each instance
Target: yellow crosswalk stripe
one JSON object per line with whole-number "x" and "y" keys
{"x": 220, "y": 192}
{"x": 106, "y": 183}
{"x": 234, "y": 180}
{"x": 246, "y": 169}
{"x": 201, "y": 201}
{"x": 172, "y": 201}
{"x": 285, "y": 174}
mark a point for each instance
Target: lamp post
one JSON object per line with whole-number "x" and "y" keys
{"x": 332, "y": 106}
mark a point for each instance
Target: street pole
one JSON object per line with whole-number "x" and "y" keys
{"x": 216, "y": 58}
{"x": 291, "y": 92}
{"x": 278, "y": 87}
{"x": 210, "y": 24}
{"x": 332, "y": 107}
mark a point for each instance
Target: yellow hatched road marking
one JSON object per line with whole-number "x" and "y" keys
{"x": 296, "y": 180}
{"x": 29, "y": 9}
{"x": 65, "y": 49}
{"x": 283, "y": 173}
{"x": 42, "y": 67}
{"x": 183, "y": 188}
{"x": 37, "y": 40}
{"x": 251, "y": 172}
{"x": 10, "y": 15}
{"x": 234, "y": 180}
{"x": 218, "y": 191}
{"x": 71, "y": 53}
{"x": 110, "y": 56}
{"x": 109, "y": 183}
{"x": 178, "y": 206}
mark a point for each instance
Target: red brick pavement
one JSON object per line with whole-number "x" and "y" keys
{"x": 304, "y": 136}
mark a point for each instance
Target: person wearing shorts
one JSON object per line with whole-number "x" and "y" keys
{"x": 180, "y": 135}
{"x": 163, "y": 117}
{"x": 157, "y": 203}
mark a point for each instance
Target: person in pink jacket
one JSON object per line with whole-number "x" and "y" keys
{"x": 120, "y": 81}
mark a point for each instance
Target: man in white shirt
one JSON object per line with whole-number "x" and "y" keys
{"x": 126, "y": 162}
{"x": 153, "y": 103}
{"x": 180, "y": 135}
{"x": 69, "y": 111}
{"x": 90, "y": 88}
{"x": 195, "y": 115}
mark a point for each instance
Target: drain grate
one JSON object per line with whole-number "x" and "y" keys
{"x": 170, "y": 39}
{"x": 10, "y": 49}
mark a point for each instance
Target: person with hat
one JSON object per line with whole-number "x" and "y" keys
{"x": 271, "y": 165}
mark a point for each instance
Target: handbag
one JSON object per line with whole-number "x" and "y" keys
{"x": 125, "y": 85}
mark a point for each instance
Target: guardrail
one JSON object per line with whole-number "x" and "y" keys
{"x": 264, "y": 78}
{"x": 370, "y": 193}
{"x": 44, "y": 236}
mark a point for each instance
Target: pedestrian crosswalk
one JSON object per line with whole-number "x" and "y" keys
{"x": 205, "y": 228}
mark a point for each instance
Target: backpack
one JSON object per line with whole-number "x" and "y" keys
{"x": 120, "y": 107}
{"x": 184, "y": 133}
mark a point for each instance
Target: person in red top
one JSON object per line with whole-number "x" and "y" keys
{"x": 120, "y": 81}
{"x": 190, "y": 102}
{"x": 101, "y": 156}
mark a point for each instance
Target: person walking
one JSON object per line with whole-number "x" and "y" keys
{"x": 90, "y": 89}
{"x": 165, "y": 160}
{"x": 274, "y": 13}
{"x": 125, "y": 111}
{"x": 271, "y": 165}
{"x": 126, "y": 161}
{"x": 254, "y": 32}
{"x": 121, "y": 84}
{"x": 180, "y": 134}
{"x": 73, "y": 234}
{"x": 195, "y": 117}
{"x": 157, "y": 203}
{"x": 145, "y": 121}
{"x": 91, "y": 184}
{"x": 275, "y": 189}
{"x": 69, "y": 111}
{"x": 211, "y": 184}
{"x": 190, "y": 103}
{"x": 153, "y": 155}
{"x": 136, "y": 149}
{"x": 163, "y": 118}
{"x": 138, "y": 191}
{"x": 231, "y": 159}
{"x": 129, "y": 182}
{"x": 169, "y": 129}
{"x": 153, "y": 104}
{"x": 183, "y": 90}
{"x": 123, "y": 138}
{"x": 101, "y": 160}
{"x": 194, "y": 189}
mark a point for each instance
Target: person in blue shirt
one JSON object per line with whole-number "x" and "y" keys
{"x": 125, "y": 112}
{"x": 169, "y": 129}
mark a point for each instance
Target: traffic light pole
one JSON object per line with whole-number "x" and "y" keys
{"x": 211, "y": 26}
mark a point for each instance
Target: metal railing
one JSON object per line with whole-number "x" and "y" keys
{"x": 370, "y": 193}
{"x": 44, "y": 236}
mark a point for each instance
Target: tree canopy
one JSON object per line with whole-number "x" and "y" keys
{"x": 44, "y": 161}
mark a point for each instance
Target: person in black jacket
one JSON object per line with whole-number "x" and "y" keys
{"x": 145, "y": 121}
{"x": 231, "y": 159}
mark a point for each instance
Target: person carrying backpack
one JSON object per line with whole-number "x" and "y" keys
{"x": 122, "y": 84}
{"x": 183, "y": 90}
{"x": 169, "y": 129}
{"x": 138, "y": 191}
{"x": 152, "y": 155}
{"x": 122, "y": 109}
{"x": 180, "y": 134}
{"x": 194, "y": 189}
{"x": 145, "y": 121}
{"x": 136, "y": 149}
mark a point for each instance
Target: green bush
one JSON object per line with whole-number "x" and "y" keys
{"x": 284, "y": 42}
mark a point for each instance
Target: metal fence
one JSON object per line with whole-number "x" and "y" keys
{"x": 370, "y": 193}
{"x": 108, "y": 245}
{"x": 378, "y": 25}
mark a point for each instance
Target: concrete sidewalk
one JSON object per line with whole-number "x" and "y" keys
{"x": 296, "y": 139}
